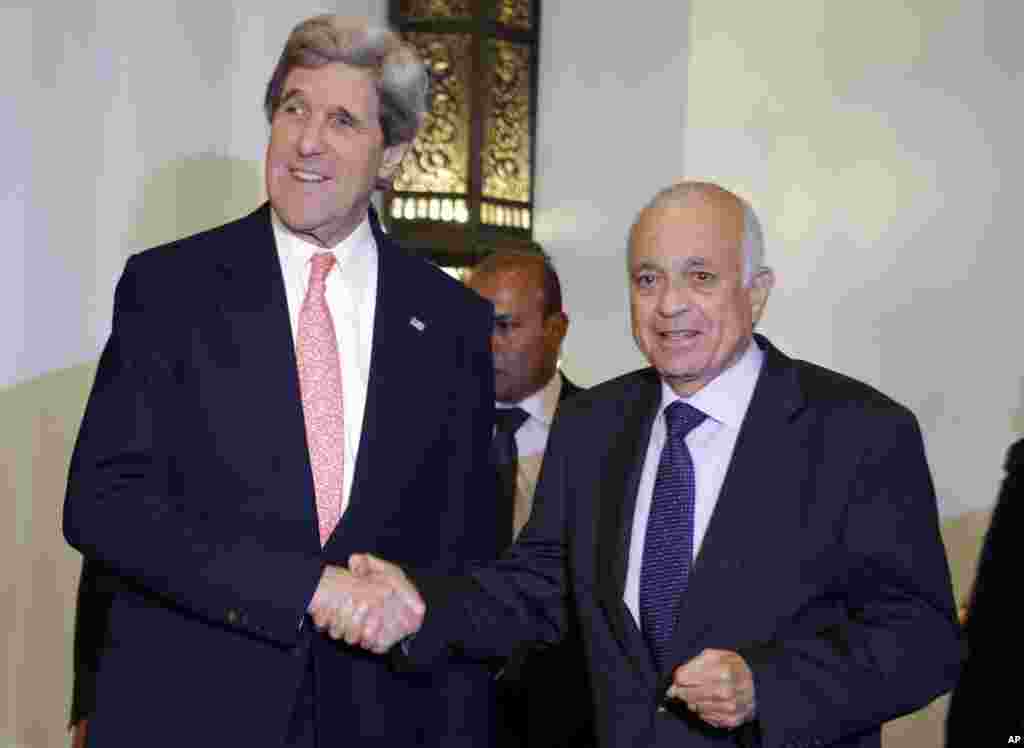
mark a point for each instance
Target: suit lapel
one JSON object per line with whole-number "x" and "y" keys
{"x": 618, "y": 482}
{"x": 747, "y": 509}
{"x": 251, "y": 296}
{"x": 392, "y": 419}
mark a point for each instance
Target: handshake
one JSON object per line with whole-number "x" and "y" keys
{"x": 372, "y": 604}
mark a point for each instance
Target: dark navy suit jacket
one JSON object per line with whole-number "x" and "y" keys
{"x": 191, "y": 493}
{"x": 822, "y": 566}
{"x": 984, "y": 710}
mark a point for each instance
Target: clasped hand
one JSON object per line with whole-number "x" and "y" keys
{"x": 716, "y": 684}
{"x": 372, "y": 604}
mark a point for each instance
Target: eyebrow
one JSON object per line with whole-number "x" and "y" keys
{"x": 298, "y": 92}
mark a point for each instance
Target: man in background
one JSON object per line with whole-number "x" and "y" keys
{"x": 750, "y": 541}
{"x": 544, "y": 698}
{"x": 275, "y": 394}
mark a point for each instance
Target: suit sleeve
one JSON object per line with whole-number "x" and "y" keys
{"x": 898, "y": 645}
{"x": 92, "y": 608}
{"x": 518, "y": 600}
{"x": 119, "y": 508}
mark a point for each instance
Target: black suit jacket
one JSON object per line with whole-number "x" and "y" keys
{"x": 822, "y": 566}
{"x": 544, "y": 692}
{"x": 984, "y": 709}
{"x": 190, "y": 489}
{"x": 568, "y": 389}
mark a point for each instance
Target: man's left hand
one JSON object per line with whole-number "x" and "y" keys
{"x": 718, "y": 686}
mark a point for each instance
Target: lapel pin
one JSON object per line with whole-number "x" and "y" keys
{"x": 415, "y": 322}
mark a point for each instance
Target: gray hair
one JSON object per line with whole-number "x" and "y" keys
{"x": 752, "y": 244}
{"x": 402, "y": 79}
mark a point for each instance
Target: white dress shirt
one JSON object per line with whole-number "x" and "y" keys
{"x": 531, "y": 441}
{"x": 724, "y": 400}
{"x": 352, "y": 298}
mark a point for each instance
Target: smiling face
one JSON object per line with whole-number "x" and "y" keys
{"x": 692, "y": 315}
{"x": 326, "y": 151}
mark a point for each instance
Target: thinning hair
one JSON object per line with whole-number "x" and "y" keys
{"x": 522, "y": 259}
{"x": 752, "y": 244}
{"x": 401, "y": 78}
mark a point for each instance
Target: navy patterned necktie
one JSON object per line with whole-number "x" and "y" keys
{"x": 668, "y": 542}
{"x": 506, "y": 460}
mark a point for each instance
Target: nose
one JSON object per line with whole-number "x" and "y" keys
{"x": 311, "y": 137}
{"x": 674, "y": 299}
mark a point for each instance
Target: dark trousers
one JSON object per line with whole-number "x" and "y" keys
{"x": 302, "y": 725}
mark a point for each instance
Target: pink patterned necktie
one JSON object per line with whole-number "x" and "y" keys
{"x": 320, "y": 383}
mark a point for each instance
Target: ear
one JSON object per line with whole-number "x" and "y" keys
{"x": 390, "y": 159}
{"x": 556, "y": 326}
{"x": 761, "y": 285}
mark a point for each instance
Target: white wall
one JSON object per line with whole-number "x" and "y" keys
{"x": 879, "y": 141}
{"x": 610, "y": 134}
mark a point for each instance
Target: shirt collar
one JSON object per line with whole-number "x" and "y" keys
{"x": 542, "y": 403}
{"x": 726, "y": 397}
{"x": 300, "y": 251}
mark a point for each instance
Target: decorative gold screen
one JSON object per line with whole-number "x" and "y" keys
{"x": 517, "y": 13}
{"x": 427, "y": 9}
{"x": 506, "y": 153}
{"x": 438, "y": 160}
{"x": 465, "y": 185}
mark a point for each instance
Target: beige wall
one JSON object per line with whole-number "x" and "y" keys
{"x": 40, "y": 420}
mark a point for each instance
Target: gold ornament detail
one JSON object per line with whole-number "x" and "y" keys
{"x": 435, "y": 9}
{"x": 438, "y": 159}
{"x": 506, "y": 155}
{"x": 515, "y": 13}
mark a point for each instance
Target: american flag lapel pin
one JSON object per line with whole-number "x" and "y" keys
{"x": 417, "y": 323}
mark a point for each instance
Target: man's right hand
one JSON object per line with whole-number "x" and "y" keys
{"x": 372, "y": 610}
{"x": 377, "y": 631}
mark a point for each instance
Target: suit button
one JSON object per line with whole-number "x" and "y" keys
{"x": 662, "y": 709}
{"x": 233, "y": 616}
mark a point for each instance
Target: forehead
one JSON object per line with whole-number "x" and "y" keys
{"x": 335, "y": 85}
{"x": 509, "y": 289}
{"x": 687, "y": 230}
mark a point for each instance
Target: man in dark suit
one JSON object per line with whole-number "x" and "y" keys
{"x": 750, "y": 541}
{"x": 982, "y": 710}
{"x": 278, "y": 393}
{"x": 543, "y": 697}
{"x": 529, "y": 327}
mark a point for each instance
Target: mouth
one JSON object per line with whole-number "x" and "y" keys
{"x": 677, "y": 336}
{"x": 307, "y": 177}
